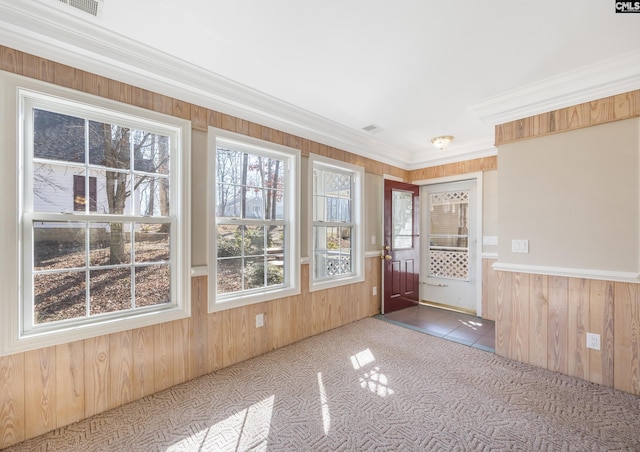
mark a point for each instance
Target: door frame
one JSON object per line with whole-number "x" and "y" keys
{"x": 477, "y": 176}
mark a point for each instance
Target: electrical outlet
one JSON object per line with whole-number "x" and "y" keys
{"x": 259, "y": 320}
{"x": 593, "y": 341}
{"x": 374, "y": 291}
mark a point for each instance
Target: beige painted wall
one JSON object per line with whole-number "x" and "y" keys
{"x": 373, "y": 193}
{"x": 199, "y": 169}
{"x": 575, "y": 197}
{"x": 490, "y": 208}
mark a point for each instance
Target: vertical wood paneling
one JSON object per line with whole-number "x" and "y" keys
{"x": 214, "y": 340}
{"x": 255, "y": 130}
{"x": 600, "y": 111}
{"x": 296, "y": 327}
{"x": 12, "y": 403}
{"x": 601, "y": 322}
{"x": 39, "y": 371}
{"x": 142, "y": 98}
{"x": 320, "y": 312}
{"x": 608, "y": 334}
{"x": 68, "y": 77}
{"x": 228, "y": 122}
{"x": 337, "y": 297}
{"x": 519, "y": 341}
{"x": 239, "y": 349}
{"x": 538, "y": 314}
{"x": 627, "y": 339}
{"x": 10, "y": 61}
{"x": 578, "y": 325}
{"x": 227, "y": 338}
{"x": 96, "y": 375}
{"x": 120, "y": 92}
{"x": 162, "y": 104}
{"x": 504, "y": 314}
{"x": 143, "y": 362}
{"x": 120, "y": 368}
{"x": 274, "y": 325}
{"x": 454, "y": 169}
{"x": 199, "y": 325}
{"x": 242, "y": 126}
{"x": 163, "y": 356}
{"x": 198, "y": 118}
{"x": 258, "y": 337}
{"x": 182, "y": 370}
{"x": 181, "y": 109}
{"x": 95, "y": 84}
{"x": 69, "y": 383}
{"x": 557, "y": 324}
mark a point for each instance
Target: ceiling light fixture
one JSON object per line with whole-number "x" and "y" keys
{"x": 442, "y": 141}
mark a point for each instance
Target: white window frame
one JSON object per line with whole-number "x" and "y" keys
{"x": 291, "y": 158}
{"x": 20, "y": 94}
{"x": 357, "y": 212}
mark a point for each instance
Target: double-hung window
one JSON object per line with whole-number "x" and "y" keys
{"x": 255, "y": 251}
{"x": 336, "y": 190}
{"x": 102, "y": 215}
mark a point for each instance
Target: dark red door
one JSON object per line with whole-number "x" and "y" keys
{"x": 401, "y": 258}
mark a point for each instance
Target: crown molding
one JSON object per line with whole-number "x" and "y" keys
{"x": 47, "y": 31}
{"x": 607, "y": 78}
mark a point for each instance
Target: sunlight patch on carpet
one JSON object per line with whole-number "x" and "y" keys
{"x": 361, "y": 359}
{"x": 326, "y": 417}
{"x": 248, "y": 429}
{"x": 376, "y": 382}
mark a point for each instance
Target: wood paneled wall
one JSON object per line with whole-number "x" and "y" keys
{"x": 608, "y": 109}
{"x": 454, "y": 169}
{"x": 48, "y": 388}
{"x": 543, "y": 320}
{"x": 489, "y": 290}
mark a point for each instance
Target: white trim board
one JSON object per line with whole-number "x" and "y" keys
{"x": 603, "y": 275}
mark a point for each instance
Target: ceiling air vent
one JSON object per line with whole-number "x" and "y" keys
{"x": 372, "y": 128}
{"x": 93, "y": 7}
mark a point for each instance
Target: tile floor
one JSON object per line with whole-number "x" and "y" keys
{"x": 454, "y": 326}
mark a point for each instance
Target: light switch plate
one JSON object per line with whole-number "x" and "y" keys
{"x": 519, "y": 246}
{"x": 490, "y": 240}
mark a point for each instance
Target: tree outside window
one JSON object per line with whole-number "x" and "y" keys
{"x": 255, "y": 249}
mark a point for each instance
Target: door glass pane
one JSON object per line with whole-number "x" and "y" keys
{"x": 402, "y": 219}
{"x": 449, "y": 235}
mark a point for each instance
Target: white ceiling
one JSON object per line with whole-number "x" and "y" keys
{"x": 326, "y": 69}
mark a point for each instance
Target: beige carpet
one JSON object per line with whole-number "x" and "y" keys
{"x": 370, "y": 385}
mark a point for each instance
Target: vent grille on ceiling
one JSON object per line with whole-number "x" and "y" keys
{"x": 93, "y": 7}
